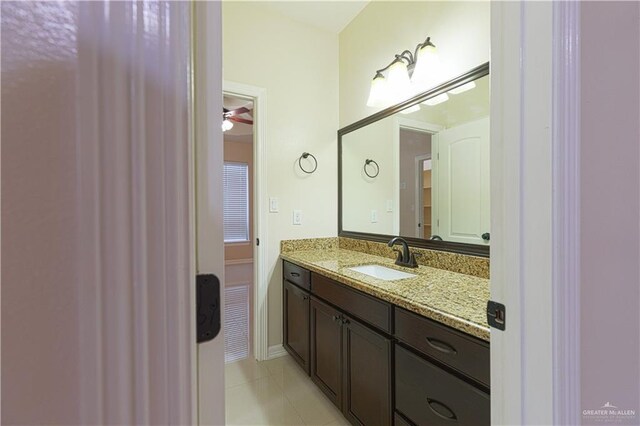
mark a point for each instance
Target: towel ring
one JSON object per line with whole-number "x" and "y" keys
{"x": 306, "y": 155}
{"x": 366, "y": 163}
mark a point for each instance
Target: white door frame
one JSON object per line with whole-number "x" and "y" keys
{"x": 206, "y": 194}
{"x": 397, "y": 124}
{"x": 419, "y": 194}
{"x": 535, "y": 212}
{"x": 260, "y": 207}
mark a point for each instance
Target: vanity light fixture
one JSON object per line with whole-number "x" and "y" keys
{"x": 408, "y": 74}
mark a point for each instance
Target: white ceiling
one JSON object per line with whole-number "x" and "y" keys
{"x": 328, "y": 14}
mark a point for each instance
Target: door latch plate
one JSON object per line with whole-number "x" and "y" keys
{"x": 208, "y": 307}
{"x": 496, "y": 315}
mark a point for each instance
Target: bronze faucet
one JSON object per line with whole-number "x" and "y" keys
{"x": 405, "y": 257}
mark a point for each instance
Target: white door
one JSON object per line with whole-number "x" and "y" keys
{"x": 461, "y": 212}
{"x": 209, "y": 216}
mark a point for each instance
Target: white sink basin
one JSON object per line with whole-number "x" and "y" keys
{"x": 382, "y": 272}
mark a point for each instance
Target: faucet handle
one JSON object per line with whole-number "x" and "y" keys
{"x": 413, "y": 262}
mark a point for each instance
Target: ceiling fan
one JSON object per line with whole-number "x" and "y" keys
{"x": 233, "y": 115}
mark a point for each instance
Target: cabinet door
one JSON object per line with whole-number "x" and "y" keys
{"x": 296, "y": 323}
{"x": 326, "y": 349}
{"x": 366, "y": 375}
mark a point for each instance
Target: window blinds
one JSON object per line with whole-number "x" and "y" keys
{"x": 236, "y": 202}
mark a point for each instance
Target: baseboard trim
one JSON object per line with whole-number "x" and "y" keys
{"x": 238, "y": 261}
{"x": 276, "y": 351}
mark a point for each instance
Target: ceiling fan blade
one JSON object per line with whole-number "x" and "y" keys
{"x": 241, "y": 120}
{"x": 238, "y": 111}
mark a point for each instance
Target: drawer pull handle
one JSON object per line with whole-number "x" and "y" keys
{"x": 441, "y": 346}
{"x": 294, "y": 274}
{"x": 437, "y": 406}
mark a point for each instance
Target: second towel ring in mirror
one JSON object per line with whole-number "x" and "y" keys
{"x": 369, "y": 162}
{"x": 315, "y": 162}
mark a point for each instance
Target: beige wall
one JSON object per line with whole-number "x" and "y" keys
{"x": 610, "y": 206}
{"x": 460, "y": 30}
{"x": 241, "y": 151}
{"x": 360, "y": 193}
{"x": 298, "y": 66}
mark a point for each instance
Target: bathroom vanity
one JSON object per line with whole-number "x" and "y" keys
{"x": 393, "y": 344}
{"x": 410, "y": 351}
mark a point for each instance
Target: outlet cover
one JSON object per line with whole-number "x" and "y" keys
{"x": 297, "y": 217}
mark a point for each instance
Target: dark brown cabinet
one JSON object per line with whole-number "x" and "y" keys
{"x": 428, "y": 395}
{"x": 366, "y": 382}
{"x": 351, "y": 364}
{"x": 296, "y": 323}
{"x": 346, "y": 341}
{"x": 326, "y": 350}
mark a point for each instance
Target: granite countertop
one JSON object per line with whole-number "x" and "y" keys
{"x": 451, "y": 298}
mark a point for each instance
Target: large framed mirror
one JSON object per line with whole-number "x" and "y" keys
{"x": 420, "y": 169}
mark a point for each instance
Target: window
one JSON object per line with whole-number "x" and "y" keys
{"x": 236, "y": 202}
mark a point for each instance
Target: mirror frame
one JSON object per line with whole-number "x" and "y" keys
{"x": 449, "y": 246}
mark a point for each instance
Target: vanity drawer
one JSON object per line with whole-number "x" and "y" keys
{"x": 428, "y": 395}
{"x": 296, "y": 275}
{"x": 356, "y": 303}
{"x": 463, "y": 353}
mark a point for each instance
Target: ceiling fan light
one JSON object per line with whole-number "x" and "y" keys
{"x": 443, "y": 97}
{"x": 399, "y": 84}
{"x": 427, "y": 70}
{"x": 226, "y": 125}
{"x": 378, "y": 93}
{"x": 468, "y": 86}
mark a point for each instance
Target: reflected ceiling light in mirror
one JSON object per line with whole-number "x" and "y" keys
{"x": 401, "y": 81}
{"x": 436, "y": 99}
{"x": 411, "y": 109}
{"x": 463, "y": 88}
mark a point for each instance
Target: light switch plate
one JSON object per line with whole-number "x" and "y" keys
{"x": 273, "y": 205}
{"x": 374, "y": 216}
{"x": 297, "y": 217}
{"x": 389, "y": 206}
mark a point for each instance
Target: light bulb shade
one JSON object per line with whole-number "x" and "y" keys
{"x": 468, "y": 86}
{"x": 378, "y": 93}
{"x": 399, "y": 84}
{"x": 427, "y": 72}
{"x": 227, "y": 125}
{"x": 443, "y": 97}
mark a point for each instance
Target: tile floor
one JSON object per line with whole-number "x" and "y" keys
{"x": 275, "y": 392}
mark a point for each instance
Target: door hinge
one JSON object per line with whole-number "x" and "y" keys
{"x": 496, "y": 315}
{"x": 207, "y": 307}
